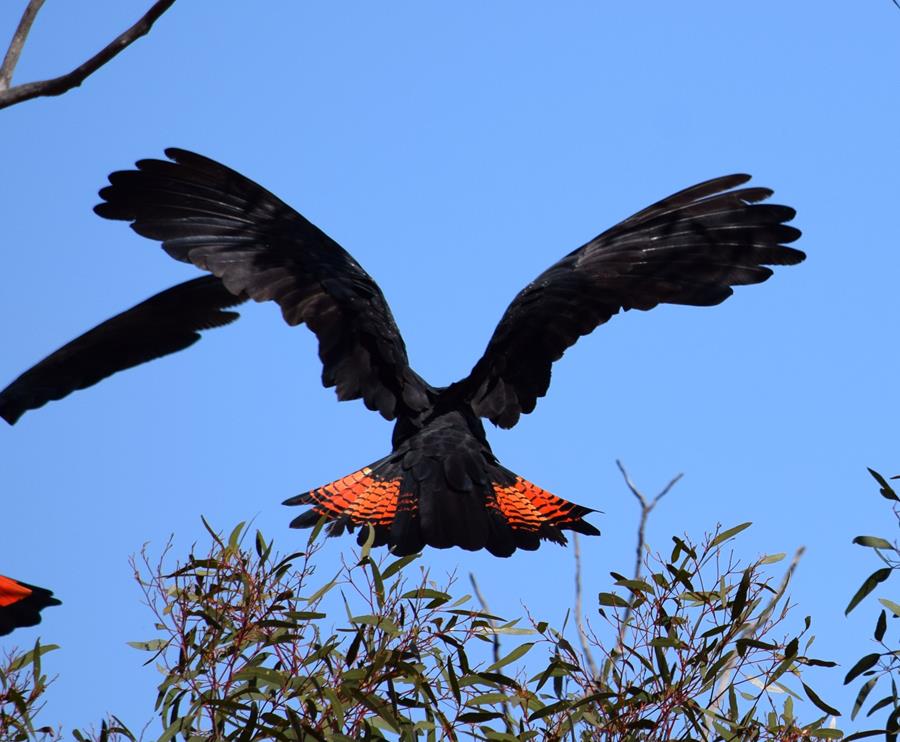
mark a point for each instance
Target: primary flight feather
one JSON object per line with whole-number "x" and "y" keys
{"x": 441, "y": 485}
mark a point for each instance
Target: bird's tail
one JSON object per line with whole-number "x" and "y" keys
{"x": 21, "y": 604}
{"x": 443, "y": 503}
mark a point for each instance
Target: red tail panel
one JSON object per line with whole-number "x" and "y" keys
{"x": 528, "y": 507}
{"x": 362, "y": 497}
{"x": 12, "y": 592}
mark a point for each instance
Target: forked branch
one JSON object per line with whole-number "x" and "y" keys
{"x": 647, "y": 506}
{"x": 58, "y": 85}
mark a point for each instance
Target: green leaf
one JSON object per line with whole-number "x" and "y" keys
{"x": 667, "y": 641}
{"x": 30, "y": 657}
{"x": 451, "y": 677}
{"x": 399, "y": 564}
{"x": 872, "y": 581}
{"x": 550, "y": 709}
{"x": 510, "y": 631}
{"x": 861, "y": 696}
{"x": 379, "y": 622}
{"x": 337, "y": 708}
{"x": 864, "y": 663}
{"x": 424, "y": 593}
{"x": 367, "y": 544}
{"x": 317, "y": 529}
{"x": 790, "y": 651}
{"x": 886, "y": 490}
{"x": 636, "y": 586}
{"x": 518, "y": 652}
{"x": 788, "y": 712}
{"x": 680, "y": 546}
{"x": 715, "y": 630}
{"x": 499, "y": 678}
{"x": 305, "y": 615}
{"x": 744, "y": 644}
{"x": 612, "y": 600}
{"x": 863, "y": 735}
{"x": 377, "y": 582}
{"x": 322, "y": 590}
{"x": 725, "y": 535}
{"x": 740, "y": 597}
{"x": 237, "y": 533}
{"x": 150, "y": 646}
{"x": 376, "y": 704}
{"x": 474, "y": 717}
{"x": 772, "y": 558}
{"x": 663, "y": 666}
{"x": 827, "y": 734}
{"x": 881, "y": 626}
{"x": 733, "y": 704}
{"x": 886, "y": 701}
{"x": 890, "y": 605}
{"x": 487, "y": 699}
{"x": 820, "y": 704}
{"x": 353, "y": 649}
{"x": 873, "y": 542}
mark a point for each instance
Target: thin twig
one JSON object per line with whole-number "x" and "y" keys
{"x": 646, "y": 508}
{"x": 495, "y": 640}
{"x": 486, "y": 609}
{"x": 579, "y": 616}
{"x": 59, "y": 85}
{"x": 18, "y": 41}
{"x": 750, "y": 631}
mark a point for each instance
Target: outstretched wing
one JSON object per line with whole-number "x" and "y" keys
{"x": 167, "y": 322}
{"x": 206, "y": 214}
{"x": 21, "y": 604}
{"x": 689, "y": 248}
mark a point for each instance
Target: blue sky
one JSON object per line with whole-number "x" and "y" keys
{"x": 457, "y": 150}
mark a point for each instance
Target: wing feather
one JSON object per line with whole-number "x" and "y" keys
{"x": 689, "y": 248}
{"x": 165, "y": 323}
{"x": 206, "y": 214}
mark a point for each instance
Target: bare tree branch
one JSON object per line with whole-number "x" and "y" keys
{"x": 646, "y": 508}
{"x": 486, "y": 608}
{"x": 59, "y": 85}
{"x": 495, "y": 643}
{"x": 579, "y": 615}
{"x": 18, "y": 41}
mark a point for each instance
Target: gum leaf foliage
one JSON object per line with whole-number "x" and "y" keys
{"x": 879, "y": 669}
{"x": 256, "y": 645}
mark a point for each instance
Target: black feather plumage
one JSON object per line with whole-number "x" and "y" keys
{"x": 441, "y": 485}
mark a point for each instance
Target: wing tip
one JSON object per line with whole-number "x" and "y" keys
{"x": 10, "y": 414}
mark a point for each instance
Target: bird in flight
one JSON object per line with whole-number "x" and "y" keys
{"x": 440, "y": 485}
{"x": 21, "y": 604}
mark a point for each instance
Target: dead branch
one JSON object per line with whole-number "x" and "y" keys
{"x": 18, "y": 42}
{"x": 495, "y": 639}
{"x": 58, "y": 85}
{"x": 647, "y": 506}
{"x": 579, "y": 616}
